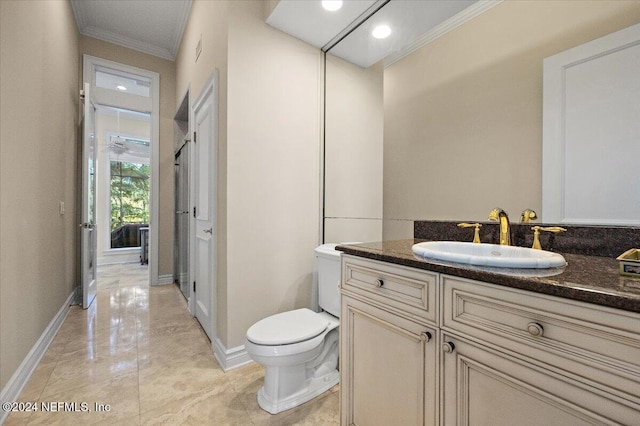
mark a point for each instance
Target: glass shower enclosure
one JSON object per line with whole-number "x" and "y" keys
{"x": 181, "y": 222}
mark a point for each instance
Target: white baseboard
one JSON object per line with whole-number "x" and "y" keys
{"x": 230, "y": 358}
{"x": 16, "y": 383}
{"x": 119, "y": 256}
{"x": 164, "y": 280}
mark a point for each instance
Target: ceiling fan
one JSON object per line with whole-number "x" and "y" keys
{"x": 119, "y": 145}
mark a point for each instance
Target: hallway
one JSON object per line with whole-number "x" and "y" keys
{"x": 138, "y": 350}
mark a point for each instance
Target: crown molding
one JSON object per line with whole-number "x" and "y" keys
{"x": 449, "y": 25}
{"x": 182, "y": 18}
{"x": 78, "y": 12}
{"x": 83, "y": 21}
{"x": 130, "y": 43}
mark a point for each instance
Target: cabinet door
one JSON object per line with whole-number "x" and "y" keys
{"x": 485, "y": 386}
{"x": 388, "y": 367}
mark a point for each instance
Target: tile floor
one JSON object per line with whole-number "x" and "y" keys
{"x": 138, "y": 350}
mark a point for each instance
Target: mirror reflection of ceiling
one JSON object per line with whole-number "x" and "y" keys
{"x": 413, "y": 23}
{"x": 310, "y": 22}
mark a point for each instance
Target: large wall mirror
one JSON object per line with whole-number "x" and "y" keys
{"x": 591, "y": 132}
{"x": 453, "y": 127}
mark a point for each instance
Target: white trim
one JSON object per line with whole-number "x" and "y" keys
{"x": 89, "y": 64}
{"x": 78, "y": 12}
{"x": 149, "y": 48}
{"x": 449, "y": 25}
{"x": 181, "y": 19}
{"x": 120, "y": 40}
{"x": 17, "y": 382}
{"x": 230, "y": 358}
{"x": 164, "y": 280}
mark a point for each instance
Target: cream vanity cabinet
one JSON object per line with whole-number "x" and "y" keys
{"x": 497, "y": 356}
{"x": 389, "y": 344}
{"x": 518, "y": 357}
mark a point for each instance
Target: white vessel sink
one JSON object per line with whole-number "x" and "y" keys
{"x": 488, "y": 255}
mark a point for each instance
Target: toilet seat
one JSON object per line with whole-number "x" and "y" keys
{"x": 287, "y": 328}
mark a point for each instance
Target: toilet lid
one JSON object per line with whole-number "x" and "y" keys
{"x": 287, "y": 327}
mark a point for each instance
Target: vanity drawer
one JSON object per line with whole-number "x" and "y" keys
{"x": 401, "y": 288}
{"x": 594, "y": 340}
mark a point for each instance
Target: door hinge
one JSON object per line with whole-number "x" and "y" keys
{"x": 194, "y": 211}
{"x": 194, "y": 137}
{"x": 194, "y": 286}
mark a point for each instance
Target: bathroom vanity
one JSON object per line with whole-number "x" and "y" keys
{"x": 440, "y": 343}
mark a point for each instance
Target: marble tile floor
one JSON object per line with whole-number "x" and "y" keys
{"x": 138, "y": 351}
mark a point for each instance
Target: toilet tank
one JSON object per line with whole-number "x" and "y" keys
{"x": 328, "y": 270}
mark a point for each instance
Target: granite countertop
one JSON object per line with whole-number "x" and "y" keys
{"x": 593, "y": 279}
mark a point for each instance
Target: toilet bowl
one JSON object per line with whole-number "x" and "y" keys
{"x": 299, "y": 348}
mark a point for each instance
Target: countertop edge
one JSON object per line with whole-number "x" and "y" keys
{"x": 583, "y": 293}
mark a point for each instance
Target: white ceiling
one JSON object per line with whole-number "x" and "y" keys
{"x": 150, "y": 26}
{"x": 156, "y": 26}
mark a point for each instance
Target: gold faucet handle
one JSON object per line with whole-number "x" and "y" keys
{"x": 528, "y": 215}
{"x": 476, "y": 233}
{"x": 536, "y": 234}
{"x": 494, "y": 215}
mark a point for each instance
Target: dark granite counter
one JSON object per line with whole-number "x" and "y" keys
{"x": 593, "y": 279}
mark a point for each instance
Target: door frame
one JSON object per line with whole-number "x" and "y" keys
{"x": 89, "y": 231}
{"x": 136, "y": 103}
{"x": 211, "y": 86}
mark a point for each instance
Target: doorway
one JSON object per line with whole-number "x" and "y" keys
{"x": 127, "y": 174}
{"x": 123, "y": 185}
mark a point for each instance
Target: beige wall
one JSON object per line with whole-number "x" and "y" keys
{"x": 273, "y": 188}
{"x": 39, "y": 82}
{"x": 208, "y": 19}
{"x": 167, "y": 71}
{"x": 353, "y": 152}
{"x": 268, "y": 158}
{"x": 463, "y": 115}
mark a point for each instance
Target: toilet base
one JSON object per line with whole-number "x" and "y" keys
{"x": 315, "y": 387}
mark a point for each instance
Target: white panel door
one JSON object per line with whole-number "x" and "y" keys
{"x": 88, "y": 243}
{"x": 204, "y": 118}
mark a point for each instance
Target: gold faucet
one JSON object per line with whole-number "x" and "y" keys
{"x": 528, "y": 215}
{"x": 499, "y": 215}
{"x": 536, "y": 234}
{"x": 476, "y": 234}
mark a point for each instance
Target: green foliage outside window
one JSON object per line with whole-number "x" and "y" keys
{"x": 129, "y": 193}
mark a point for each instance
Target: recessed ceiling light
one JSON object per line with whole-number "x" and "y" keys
{"x": 121, "y": 87}
{"x": 332, "y": 5}
{"x": 381, "y": 31}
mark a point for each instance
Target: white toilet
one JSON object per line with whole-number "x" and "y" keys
{"x": 299, "y": 349}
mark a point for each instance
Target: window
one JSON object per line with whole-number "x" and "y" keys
{"x": 123, "y": 82}
{"x": 129, "y": 201}
{"x": 129, "y": 191}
